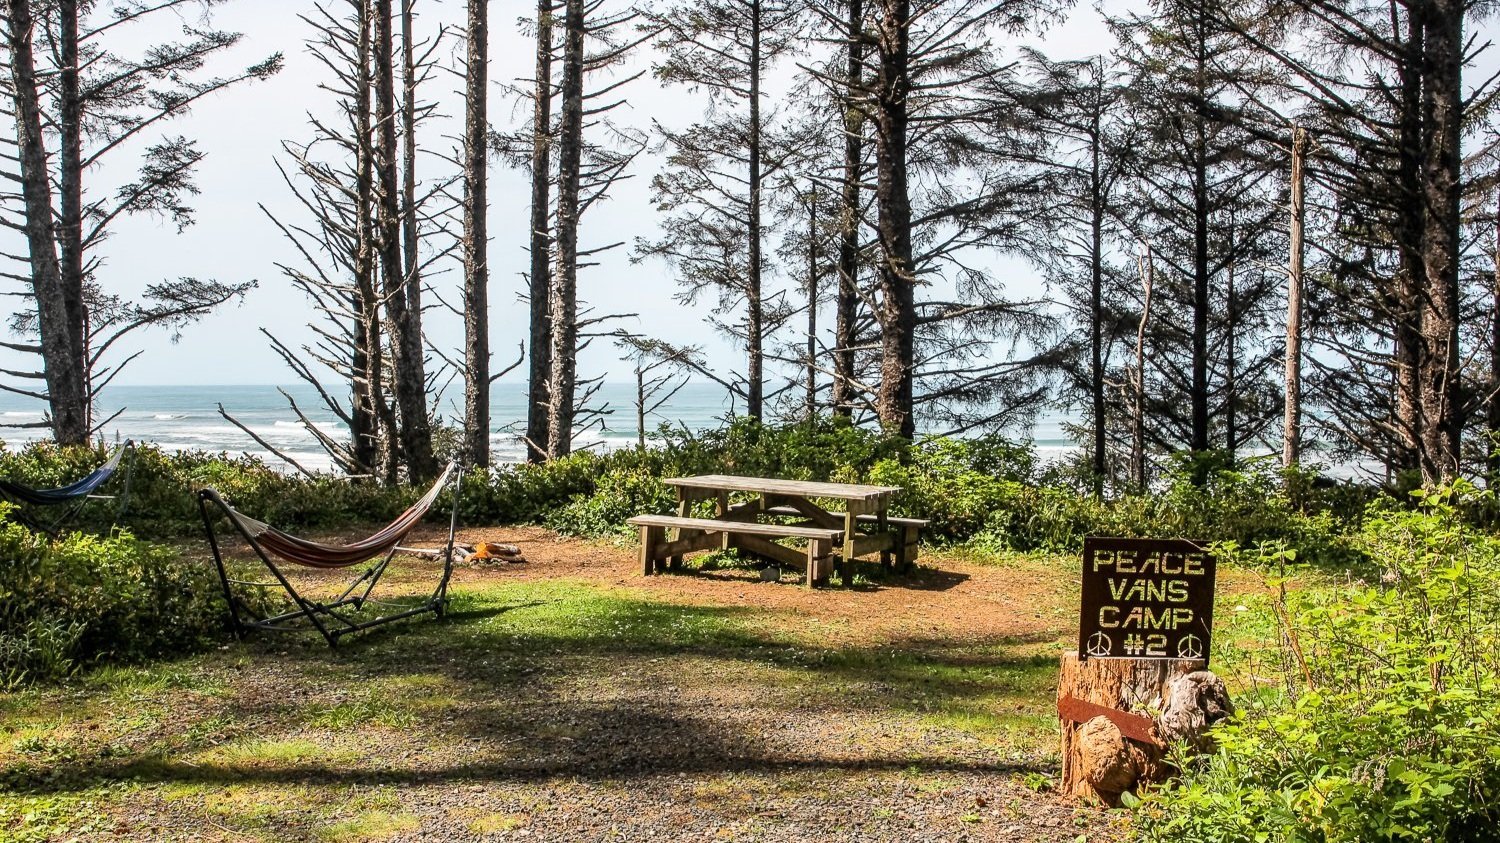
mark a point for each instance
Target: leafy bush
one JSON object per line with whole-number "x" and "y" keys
{"x": 84, "y": 599}
{"x": 993, "y": 494}
{"x": 163, "y": 486}
{"x": 619, "y": 495}
{"x": 986, "y": 490}
{"x": 524, "y": 494}
{"x": 592, "y": 494}
{"x": 1385, "y": 724}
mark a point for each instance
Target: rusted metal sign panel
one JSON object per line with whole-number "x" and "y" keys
{"x": 1137, "y": 727}
{"x": 1146, "y": 599}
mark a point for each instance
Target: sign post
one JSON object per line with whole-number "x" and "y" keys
{"x": 1145, "y": 622}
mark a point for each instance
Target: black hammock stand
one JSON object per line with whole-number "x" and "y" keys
{"x": 331, "y": 619}
{"x": 74, "y": 496}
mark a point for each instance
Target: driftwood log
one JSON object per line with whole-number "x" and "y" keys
{"x": 1119, "y": 715}
{"x": 465, "y": 554}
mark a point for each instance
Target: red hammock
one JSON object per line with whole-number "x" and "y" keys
{"x": 313, "y": 554}
{"x": 331, "y": 619}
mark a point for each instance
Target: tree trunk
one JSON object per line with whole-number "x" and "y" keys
{"x": 812, "y": 307}
{"x": 1231, "y": 326}
{"x": 897, "y": 309}
{"x": 564, "y": 308}
{"x": 1198, "y": 393}
{"x": 476, "y": 238}
{"x": 1136, "y": 686}
{"x": 1410, "y": 223}
{"x": 364, "y": 358}
{"x": 1096, "y": 304}
{"x": 372, "y": 335}
{"x": 1492, "y": 448}
{"x": 640, "y": 406}
{"x": 363, "y": 427}
{"x": 1291, "y": 432}
{"x": 70, "y": 200}
{"x": 846, "y": 306}
{"x": 1138, "y": 421}
{"x": 409, "y": 380}
{"x": 67, "y": 389}
{"x": 755, "y": 308}
{"x": 1443, "y": 52}
{"x": 538, "y": 408}
{"x": 413, "y": 349}
{"x": 410, "y": 246}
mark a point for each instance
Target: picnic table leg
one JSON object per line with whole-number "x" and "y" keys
{"x": 910, "y": 536}
{"x": 721, "y": 509}
{"x": 883, "y": 528}
{"x": 818, "y": 559}
{"x": 851, "y": 522}
{"x": 684, "y": 503}
{"x": 650, "y": 538}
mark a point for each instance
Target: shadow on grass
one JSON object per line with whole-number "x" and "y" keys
{"x": 871, "y": 577}
{"x": 158, "y": 771}
{"x": 466, "y": 615}
{"x": 538, "y": 680}
{"x": 602, "y": 743}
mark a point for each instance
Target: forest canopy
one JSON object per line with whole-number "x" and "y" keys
{"x": 1217, "y": 228}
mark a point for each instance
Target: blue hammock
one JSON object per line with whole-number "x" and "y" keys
{"x": 77, "y": 492}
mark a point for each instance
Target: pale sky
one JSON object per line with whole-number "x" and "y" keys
{"x": 241, "y": 130}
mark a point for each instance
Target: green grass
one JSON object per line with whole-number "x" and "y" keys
{"x": 375, "y": 825}
{"x": 257, "y": 752}
{"x": 269, "y": 739}
{"x": 495, "y": 822}
{"x": 371, "y": 710}
{"x": 40, "y": 819}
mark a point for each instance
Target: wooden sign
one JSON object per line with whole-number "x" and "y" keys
{"x": 1146, "y": 599}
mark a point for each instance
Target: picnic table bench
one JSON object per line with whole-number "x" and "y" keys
{"x": 834, "y": 537}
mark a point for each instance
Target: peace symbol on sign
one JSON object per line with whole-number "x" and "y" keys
{"x": 1190, "y": 647}
{"x": 1099, "y": 645}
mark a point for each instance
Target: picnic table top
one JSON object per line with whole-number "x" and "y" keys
{"x": 775, "y": 486}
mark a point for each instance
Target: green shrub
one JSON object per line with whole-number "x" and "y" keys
{"x": 162, "y": 499}
{"x": 523, "y": 494}
{"x": 991, "y": 493}
{"x": 985, "y": 490}
{"x": 592, "y": 494}
{"x": 619, "y": 495}
{"x": 83, "y": 599}
{"x": 1385, "y": 724}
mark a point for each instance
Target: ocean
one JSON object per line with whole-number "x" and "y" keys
{"x": 187, "y": 417}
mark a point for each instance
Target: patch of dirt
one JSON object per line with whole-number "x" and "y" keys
{"x": 945, "y": 599}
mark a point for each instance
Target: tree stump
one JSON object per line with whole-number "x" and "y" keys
{"x": 1107, "y": 753}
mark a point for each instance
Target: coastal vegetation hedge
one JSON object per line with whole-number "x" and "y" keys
{"x": 163, "y": 487}
{"x": 986, "y": 492}
{"x": 989, "y": 492}
{"x": 84, "y": 599}
{"x": 1377, "y": 718}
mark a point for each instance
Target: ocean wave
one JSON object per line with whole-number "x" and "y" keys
{"x": 23, "y": 414}
{"x": 331, "y": 426}
{"x": 208, "y": 431}
{"x": 169, "y": 416}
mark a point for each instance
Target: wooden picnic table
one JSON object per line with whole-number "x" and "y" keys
{"x": 853, "y": 523}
